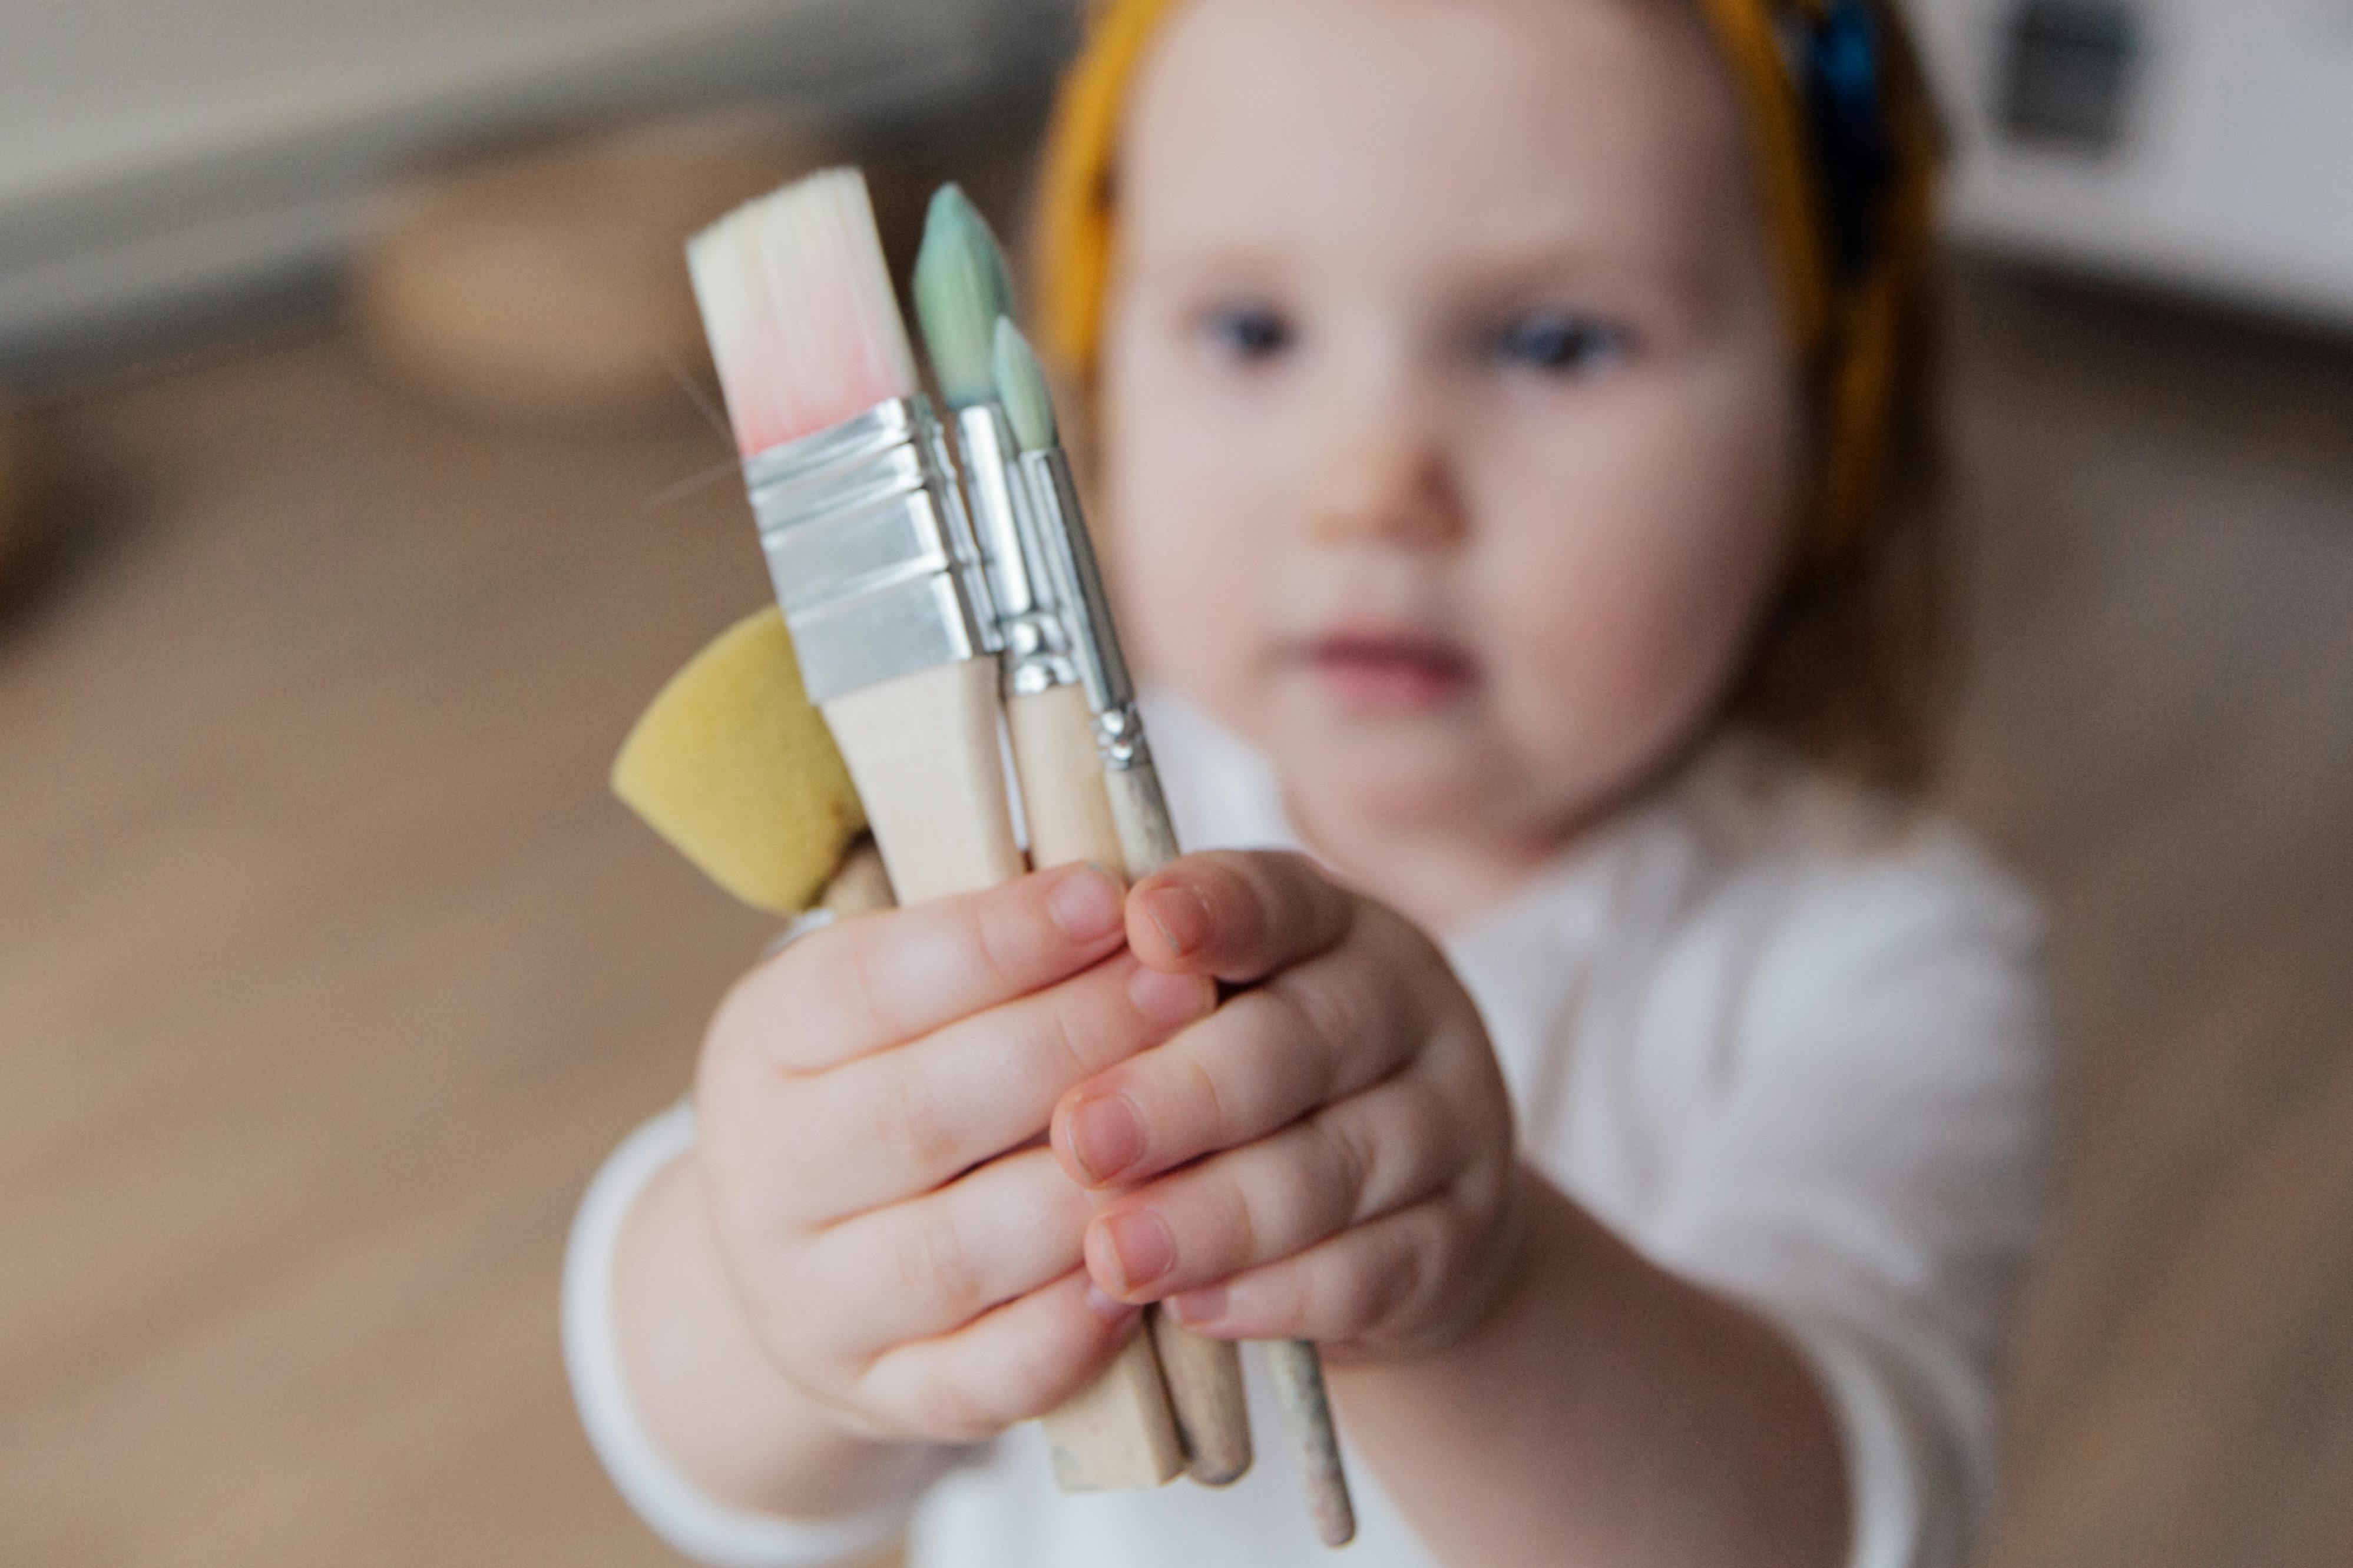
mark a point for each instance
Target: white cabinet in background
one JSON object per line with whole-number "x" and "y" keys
{"x": 2230, "y": 168}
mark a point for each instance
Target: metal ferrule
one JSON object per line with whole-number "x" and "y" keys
{"x": 1068, "y": 551}
{"x": 1119, "y": 737}
{"x": 1037, "y": 648}
{"x": 871, "y": 554}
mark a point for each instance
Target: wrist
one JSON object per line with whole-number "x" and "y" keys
{"x": 1487, "y": 1274}
{"x": 1502, "y": 1265}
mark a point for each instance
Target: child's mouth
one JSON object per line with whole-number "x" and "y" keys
{"x": 1389, "y": 672}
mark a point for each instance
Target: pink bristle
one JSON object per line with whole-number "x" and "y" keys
{"x": 798, "y": 303}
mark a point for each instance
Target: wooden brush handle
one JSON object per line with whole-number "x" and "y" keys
{"x": 1119, "y": 1432}
{"x": 861, "y": 885}
{"x": 1205, "y": 1384}
{"x": 1141, "y": 810}
{"x": 1063, "y": 781}
{"x": 1070, "y": 820}
{"x": 1147, "y": 838}
{"x": 923, "y": 753}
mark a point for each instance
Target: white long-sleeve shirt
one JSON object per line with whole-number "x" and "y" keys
{"x": 1783, "y": 1038}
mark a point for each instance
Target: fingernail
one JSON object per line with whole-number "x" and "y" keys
{"x": 1110, "y": 1309}
{"x": 1106, "y": 1136}
{"x": 1144, "y": 1248}
{"x": 1181, "y": 916}
{"x": 1171, "y": 1000}
{"x": 1085, "y": 905}
{"x": 1200, "y": 1309}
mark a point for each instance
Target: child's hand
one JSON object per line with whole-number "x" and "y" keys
{"x": 1358, "y": 1179}
{"x": 858, "y": 1098}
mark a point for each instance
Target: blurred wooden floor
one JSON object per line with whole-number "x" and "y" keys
{"x": 328, "y": 969}
{"x": 2158, "y": 512}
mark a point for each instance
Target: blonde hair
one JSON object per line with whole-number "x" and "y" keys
{"x": 1848, "y": 663}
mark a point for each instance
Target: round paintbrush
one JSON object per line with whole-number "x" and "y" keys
{"x": 962, "y": 288}
{"x": 1149, "y": 836}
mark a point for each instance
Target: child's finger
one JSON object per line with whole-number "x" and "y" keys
{"x": 899, "y": 1122}
{"x": 1238, "y": 916}
{"x": 1015, "y": 1363}
{"x": 926, "y": 1267}
{"x": 1315, "y": 1035}
{"x": 1367, "y": 1284}
{"x": 884, "y": 979}
{"x": 1380, "y": 1152}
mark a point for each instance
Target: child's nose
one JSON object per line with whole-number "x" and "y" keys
{"x": 1390, "y": 483}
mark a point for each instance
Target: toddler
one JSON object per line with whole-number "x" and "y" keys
{"x": 1504, "y": 413}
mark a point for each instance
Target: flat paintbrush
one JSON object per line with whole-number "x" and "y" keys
{"x": 878, "y": 573}
{"x": 865, "y": 536}
{"x": 1146, "y": 833}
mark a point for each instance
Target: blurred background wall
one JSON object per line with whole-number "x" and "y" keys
{"x": 154, "y": 154}
{"x": 151, "y": 153}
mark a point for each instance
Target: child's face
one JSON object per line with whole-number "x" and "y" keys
{"x": 1452, "y": 421}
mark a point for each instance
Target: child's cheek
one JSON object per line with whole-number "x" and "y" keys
{"x": 1175, "y": 547}
{"x": 1629, "y": 609}
{"x": 1186, "y": 520}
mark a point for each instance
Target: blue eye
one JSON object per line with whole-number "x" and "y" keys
{"x": 1556, "y": 343}
{"x": 1246, "y": 333}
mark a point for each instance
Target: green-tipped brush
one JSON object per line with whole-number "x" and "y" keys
{"x": 1118, "y": 1432}
{"x": 962, "y": 289}
{"x": 1148, "y": 841}
{"x": 1067, "y": 552}
{"x": 962, "y": 286}
{"x": 1022, "y": 386}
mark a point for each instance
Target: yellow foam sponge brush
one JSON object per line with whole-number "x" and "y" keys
{"x": 734, "y": 767}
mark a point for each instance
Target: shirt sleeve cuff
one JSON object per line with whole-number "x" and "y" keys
{"x": 1881, "y": 1505}
{"x": 1894, "y": 1522}
{"x": 690, "y": 1520}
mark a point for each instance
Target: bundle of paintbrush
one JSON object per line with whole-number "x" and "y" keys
{"x": 932, "y": 605}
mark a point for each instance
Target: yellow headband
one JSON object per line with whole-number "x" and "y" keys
{"x": 1861, "y": 332}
